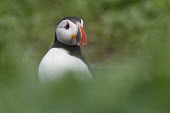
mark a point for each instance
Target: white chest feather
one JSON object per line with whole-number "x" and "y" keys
{"x": 57, "y": 62}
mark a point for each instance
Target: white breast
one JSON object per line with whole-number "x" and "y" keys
{"x": 57, "y": 62}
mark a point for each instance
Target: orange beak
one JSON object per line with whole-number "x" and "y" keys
{"x": 81, "y": 38}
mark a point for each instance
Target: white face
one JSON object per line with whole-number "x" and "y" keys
{"x": 65, "y": 31}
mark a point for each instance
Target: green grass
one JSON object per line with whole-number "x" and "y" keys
{"x": 128, "y": 49}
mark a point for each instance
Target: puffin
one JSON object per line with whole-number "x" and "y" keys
{"x": 65, "y": 56}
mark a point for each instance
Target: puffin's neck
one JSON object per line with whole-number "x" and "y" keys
{"x": 72, "y": 49}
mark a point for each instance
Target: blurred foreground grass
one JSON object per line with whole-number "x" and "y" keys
{"x": 128, "y": 49}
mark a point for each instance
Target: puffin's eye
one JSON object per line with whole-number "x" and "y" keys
{"x": 67, "y": 26}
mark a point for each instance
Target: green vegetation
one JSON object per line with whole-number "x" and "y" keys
{"x": 128, "y": 48}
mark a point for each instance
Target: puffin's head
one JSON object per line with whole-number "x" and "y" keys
{"x": 70, "y": 31}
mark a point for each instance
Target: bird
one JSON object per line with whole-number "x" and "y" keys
{"x": 65, "y": 55}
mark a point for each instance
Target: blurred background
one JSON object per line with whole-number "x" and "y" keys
{"x": 128, "y": 50}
